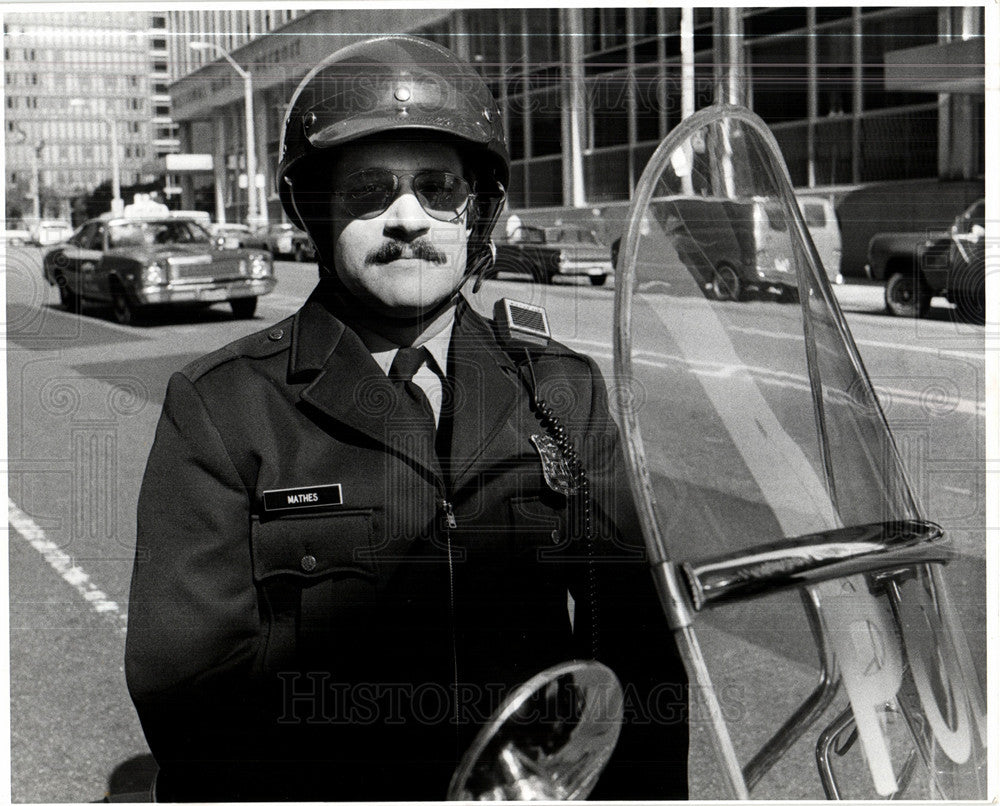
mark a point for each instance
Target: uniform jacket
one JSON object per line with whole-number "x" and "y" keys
{"x": 294, "y": 639}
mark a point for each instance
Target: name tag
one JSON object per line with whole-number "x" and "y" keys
{"x": 323, "y": 495}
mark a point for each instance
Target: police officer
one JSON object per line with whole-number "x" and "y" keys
{"x": 360, "y": 528}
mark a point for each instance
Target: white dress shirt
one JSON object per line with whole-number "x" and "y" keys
{"x": 430, "y": 376}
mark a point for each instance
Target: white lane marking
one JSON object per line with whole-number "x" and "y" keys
{"x": 64, "y": 565}
{"x": 888, "y": 395}
{"x": 938, "y": 352}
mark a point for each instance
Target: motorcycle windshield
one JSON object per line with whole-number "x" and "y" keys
{"x": 765, "y": 472}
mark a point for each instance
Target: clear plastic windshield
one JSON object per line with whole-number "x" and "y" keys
{"x": 750, "y": 425}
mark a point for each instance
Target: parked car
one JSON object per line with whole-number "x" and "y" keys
{"x": 136, "y": 263}
{"x": 287, "y": 240}
{"x": 51, "y": 230}
{"x": 203, "y": 218}
{"x": 16, "y": 237}
{"x": 917, "y": 266}
{"x": 544, "y": 253}
{"x": 237, "y": 236}
{"x": 820, "y": 217}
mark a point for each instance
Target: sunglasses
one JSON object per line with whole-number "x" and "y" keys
{"x": 369, "y": 192}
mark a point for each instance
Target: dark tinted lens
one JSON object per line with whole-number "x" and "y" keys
{"x": 367, "y": 192}
{"x": 441, "y": 191}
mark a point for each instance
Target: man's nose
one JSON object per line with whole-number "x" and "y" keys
{"x": 405, "y": 218}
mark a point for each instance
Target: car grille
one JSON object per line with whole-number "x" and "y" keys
{"x": 199, "y": 271}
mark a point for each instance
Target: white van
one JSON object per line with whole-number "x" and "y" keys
{"x": 821, "y": 220}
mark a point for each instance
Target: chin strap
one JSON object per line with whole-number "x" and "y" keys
{"x": 486, "y": 255}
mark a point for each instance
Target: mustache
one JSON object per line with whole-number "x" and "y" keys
{"x": 419, "y": 249}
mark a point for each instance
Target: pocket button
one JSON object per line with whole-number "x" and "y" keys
{"x": 556, "y": 537}
{"x": 308, "y": 563}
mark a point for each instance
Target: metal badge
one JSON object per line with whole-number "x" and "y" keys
{"x": 555, "y": 468}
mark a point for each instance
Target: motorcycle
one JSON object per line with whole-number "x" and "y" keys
{"x": 775, "y": 507}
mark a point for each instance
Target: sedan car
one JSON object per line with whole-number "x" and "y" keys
{"x": 16, "y": 237}
{"x": 237, "y": 236}
{"x": 544, "y": 253}
{"x": 287, "y": 240}
{"x": 137, "y": 263}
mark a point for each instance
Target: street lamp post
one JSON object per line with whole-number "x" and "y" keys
{"x": 251, "y": 163}
{"x": 117, "y": 203}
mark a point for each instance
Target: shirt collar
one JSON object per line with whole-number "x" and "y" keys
{"x": 384, "y": 351}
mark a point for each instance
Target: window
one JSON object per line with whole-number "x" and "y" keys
{"x": 646, "y": 90}
{"x": 778, "y": 79}
{"x": 604, "y": 29}
{"x": 543, "y": 47}
{"x": 834, "y": 70}
{"x": 545, "y": 112}
{"x": 607, "y": 101}
{"x": 768, "y": 22}
{"x": 814, "y": 214}
{"x": 888, "y": 33}
{"x": 159, "y": 44}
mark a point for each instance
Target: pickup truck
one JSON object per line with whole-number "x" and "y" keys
{"x": 916, "y": 266}
{"x": 544, "y": 253}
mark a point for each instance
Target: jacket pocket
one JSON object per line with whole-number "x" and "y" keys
{"x": 536, "y": 525}
{"x": 314, "y": 547}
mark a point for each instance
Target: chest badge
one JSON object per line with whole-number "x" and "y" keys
{"x": 555, "y": 468}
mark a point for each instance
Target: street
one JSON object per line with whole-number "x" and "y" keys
{"x": 84, "y": 396}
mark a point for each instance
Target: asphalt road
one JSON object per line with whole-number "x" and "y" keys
{"x": 83, "y": 398}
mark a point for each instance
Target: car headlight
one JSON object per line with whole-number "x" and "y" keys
{"x": 260, "y": 265}
{"x": 154, "y": 274}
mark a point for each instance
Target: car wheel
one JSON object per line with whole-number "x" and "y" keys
{"x": 67, "y": 298}
{"x": 124, "y": 311}
{"x": 243, "y": 307}
{"x": 726, "y": 283}
{"x": 300, "y": 253}
{"x": 906, "y": 295}
{"x": 598, "y": 279}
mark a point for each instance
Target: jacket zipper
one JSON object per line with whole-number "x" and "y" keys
{"x": 449, "y": 522}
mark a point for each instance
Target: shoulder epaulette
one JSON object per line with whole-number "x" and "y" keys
{"x": 261, "y": 344}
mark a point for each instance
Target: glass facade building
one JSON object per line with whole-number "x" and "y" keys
{"x": 588, "y": 93}
{"x": 68, "y": 77}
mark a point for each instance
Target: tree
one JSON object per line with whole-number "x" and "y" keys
{"x": 18, "y": 202}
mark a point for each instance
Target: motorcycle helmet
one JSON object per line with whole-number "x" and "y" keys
{"x": 391, "y": 85}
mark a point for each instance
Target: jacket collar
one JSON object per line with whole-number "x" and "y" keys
{"x": 316, "y": 333}
{"x": 346, "y": 384}
{"x": 486, "y": 392}
{"x": 349, "y": 386}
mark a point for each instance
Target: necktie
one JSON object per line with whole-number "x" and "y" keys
{"x": 413, "y": 409}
